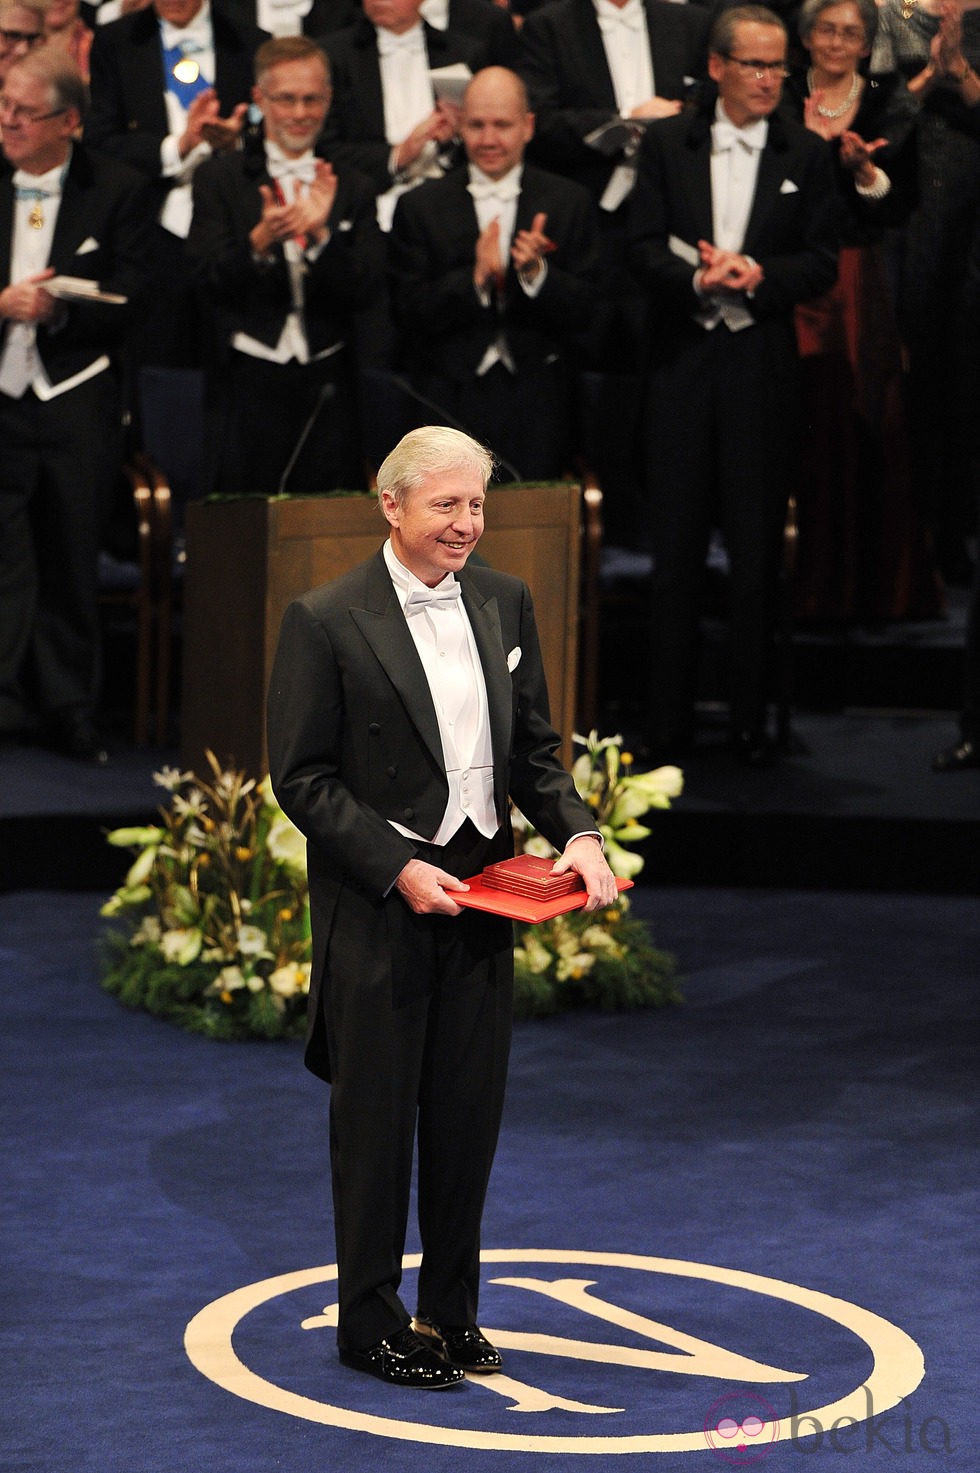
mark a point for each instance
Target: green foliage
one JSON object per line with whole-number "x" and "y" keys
{"x": 210, "y": 929}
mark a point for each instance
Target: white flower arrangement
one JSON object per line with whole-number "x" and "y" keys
{"x": 211, "y": 929}
{"x": 211, "y": 924}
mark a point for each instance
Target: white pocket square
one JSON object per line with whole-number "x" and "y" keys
{"x": 91, "y": 244}
{"x": 514, "y": 658}
{"x": 788, "y": 187}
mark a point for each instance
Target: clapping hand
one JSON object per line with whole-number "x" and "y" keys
{"x": 529, "y": 247}
{"x": 727, "y": 271}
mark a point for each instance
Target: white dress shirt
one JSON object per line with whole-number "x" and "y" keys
{"x": 290, "y": 175}
{"x": 282, "y": 17}
{"x": 735, "y": 154}
{"x": 496, "y": 199}
{"x": 197, "y": 40}
{"x": 20, "y": 362}
{"x": 626, "y": 43}
{"x": 409, "y": 98}
{"x": 444, "y": 639}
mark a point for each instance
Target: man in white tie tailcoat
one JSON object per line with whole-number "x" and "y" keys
{"x": 734, "y": 221}
{"x": 494, "y": 275}
{"x": 64, "y": 211}
{"x": 170, "y": 87}
{"x": 287, "y": 251}
{"x": 407, "y": 703}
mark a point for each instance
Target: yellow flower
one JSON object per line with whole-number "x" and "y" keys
{"x": 290, "y": 979}
{"x": 242, "y": 853}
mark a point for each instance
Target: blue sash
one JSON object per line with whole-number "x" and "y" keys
{"x": 185, "y": 92}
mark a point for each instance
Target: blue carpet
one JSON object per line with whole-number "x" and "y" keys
{"x": 806, "y": 1117}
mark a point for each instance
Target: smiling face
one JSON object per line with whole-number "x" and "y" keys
{"x": 436, "y": 526}
{"x": 294, "y": 97}
{"x": 836, "y": 41}
{"x": 36, "y": 134}
{"x": 750, "y": 92}
{"x": 496, "y": 125}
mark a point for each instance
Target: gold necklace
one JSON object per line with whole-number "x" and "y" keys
{"x": 908, "y": 9}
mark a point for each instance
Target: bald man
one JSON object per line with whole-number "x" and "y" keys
{"x": 494, "y": 271}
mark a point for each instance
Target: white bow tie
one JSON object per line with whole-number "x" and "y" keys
{"x": 443, "y": 595}
{"x": 303, "y": 169}
{"x": 725, "y": 136}
{"x": 36, "y": 186}
{"x": 630, "y": 18}
{"x": 195, "y": 38}
{"x": 409, "y": 41}
{"x": 501, "y": 189}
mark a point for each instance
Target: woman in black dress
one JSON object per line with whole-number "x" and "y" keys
{"x": 863, "y": 552}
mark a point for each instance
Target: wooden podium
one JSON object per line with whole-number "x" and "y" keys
{"x": 247, "y": 559}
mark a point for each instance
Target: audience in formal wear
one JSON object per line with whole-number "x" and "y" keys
{"x": 387, "y": 118}
{"x": 287, "y": 249}
{"x": 735, "y": 221}
{"x": 494, "y": 269}
{"x": 598, "y": 73}
{"x": 499, "y": 263}
{"x": 170, "y": 86}
{"x": 864, "y": 554}
{"x": 69, "y": 213}
{"x": 935, "y": 45}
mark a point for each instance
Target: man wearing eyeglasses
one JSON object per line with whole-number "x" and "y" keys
{"x": 287, "y": 250}
{"x": 734, "y": 222}
{"x": 21, "y": 29}
{"x": 63, "y": 212}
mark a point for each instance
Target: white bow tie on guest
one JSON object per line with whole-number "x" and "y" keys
{"x": 37, "y": 186}
{"x": 501, "y": 189}
{"x": 725, "y": 136}
{"x": 303, "y": 169}
{"x": 630, "y": 18}
{"x": 192, "y": 39}
{"x": 443, "y": 595}
{"x": 404, "y": 45}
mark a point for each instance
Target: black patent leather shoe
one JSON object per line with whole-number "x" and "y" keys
{"x": 957, "y": 759}
{"x": 402, "y": 1359}
{"x": 464, "y": 1346}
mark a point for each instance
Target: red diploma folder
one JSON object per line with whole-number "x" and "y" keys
{"x": 529, "y": 873}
